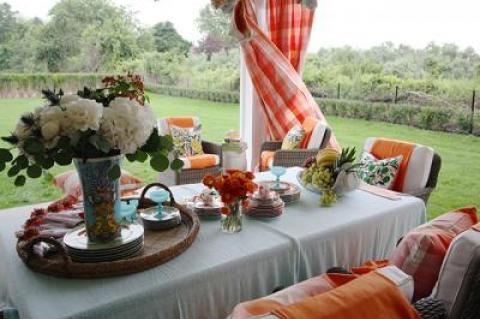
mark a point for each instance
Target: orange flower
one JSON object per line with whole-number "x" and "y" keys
{"x": 227, "y": 198}
{"x": 233, "y": 171}
{"x": 235, "y": 185}
{"x": 218, "y": 183}
{"x": 251, "y": 187}
{"x": 209, "y": 180}
{"x": 225, "y": 210}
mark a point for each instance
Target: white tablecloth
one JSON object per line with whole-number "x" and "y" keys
{"x": 219, "y": 270}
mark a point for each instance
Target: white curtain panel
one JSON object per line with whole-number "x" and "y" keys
{"x": 253, "y": 125}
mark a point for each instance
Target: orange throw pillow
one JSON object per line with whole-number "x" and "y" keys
{"x": 386, "y": 148}
{"x": 371, "y": 296}
{"x": 421, "y": 252}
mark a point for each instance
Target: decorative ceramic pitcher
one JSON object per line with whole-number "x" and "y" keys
{"x": 101, "y": 198}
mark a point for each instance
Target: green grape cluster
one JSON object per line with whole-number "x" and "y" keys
{"x": 318, "y": 176}
{"x": 329, "y": 197}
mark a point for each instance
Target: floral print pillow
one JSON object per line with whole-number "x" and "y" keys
{"x": 379, "y": 172}
{"x": 187, "y": 141}
{"x": 294, "y": 138}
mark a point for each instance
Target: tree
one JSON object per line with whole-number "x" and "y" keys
{"x": 7, "y": 21}
{"x": 167, "y": 38}
{"x": 23, "y": 47}
{"x": 70, "y": 20}
{"x": 210, "y": 45}
{"x": 215, "y": 25}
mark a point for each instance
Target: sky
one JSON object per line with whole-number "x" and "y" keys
{"x": 358, "y": 23}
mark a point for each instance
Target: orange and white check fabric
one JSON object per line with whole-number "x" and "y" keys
{"x": 273, "y": 63}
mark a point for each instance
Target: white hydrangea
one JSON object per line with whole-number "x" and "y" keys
{"x": 50, "y": 123}
{"x": 68, "y": 99}
{"x": 81, "y": 115}
{"x": 127, "y": 125}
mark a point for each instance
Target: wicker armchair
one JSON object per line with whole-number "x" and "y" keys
{"x": 434, "y": 170}
{"x": 192, "y": 176}
{"x": 425, "y": 193}
{"x": 296, "y": 157}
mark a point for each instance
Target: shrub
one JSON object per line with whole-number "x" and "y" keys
{"x": 429, "y": 118}
{"x": 30, "y": 85}
{"x": 211, "y": 95}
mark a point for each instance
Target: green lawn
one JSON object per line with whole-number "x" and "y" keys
{"x": 459, "y": 177}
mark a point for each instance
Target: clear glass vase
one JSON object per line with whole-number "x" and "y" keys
{"x": 232, "y": 223}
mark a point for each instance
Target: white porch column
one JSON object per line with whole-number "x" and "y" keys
{"x": 253, "y": 125}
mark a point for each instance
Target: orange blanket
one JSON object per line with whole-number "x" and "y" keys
{"x": 386, "y": 148}
{"x": 370, "y": 296}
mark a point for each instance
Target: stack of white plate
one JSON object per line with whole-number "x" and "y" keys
{"x": 128, "y": 244}
{"x": 208, "y": 211}
{"x": 269, "y": 207}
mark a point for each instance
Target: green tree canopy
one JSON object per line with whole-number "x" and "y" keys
{"x": 72, "y": 26}
{"x": 167, "y": 38}
{"x": 215, "y": 26}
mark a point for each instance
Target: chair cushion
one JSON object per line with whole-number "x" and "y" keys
{"x": 266, "y": 160}
{"x": 200, "y": 161}
{"x": 187, "y": 141}
{"x": 164, "y": 124}
{"x": 379, "y": 172}
{"x": 460, "y": 267}
{"x": 314, "y": 133}
{"x": 294, "y": 138}
{"x": 312, "y": 287}
{"x": 318, "y": 134}
{"x": 69, "y": 183}
{"x": 419, "y": 165}
{"x": 372, "y": 296}
{"x": 421, "y": 252}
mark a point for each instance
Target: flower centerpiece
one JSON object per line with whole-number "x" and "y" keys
{"x": 94, "y": 129}
{"x": 331, "y": 173}
{"x": 233, "y": 188}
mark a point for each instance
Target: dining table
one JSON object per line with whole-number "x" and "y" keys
{"x": 220, "y": 269}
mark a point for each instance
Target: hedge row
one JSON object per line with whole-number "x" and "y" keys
{"x": 425, "y": 117}
{"x": 429, "y": 118}
{"x": 210, "y": 95}
{"x": 30, "y": 85}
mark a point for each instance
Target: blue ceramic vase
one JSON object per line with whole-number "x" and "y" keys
{"x": 101, "y": 198}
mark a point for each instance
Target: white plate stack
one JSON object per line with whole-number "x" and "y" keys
{"x": 128, "y": 244}
{"x": 264, "y": 204}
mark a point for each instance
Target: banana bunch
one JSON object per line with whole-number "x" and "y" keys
{"x": 327, "y": 157}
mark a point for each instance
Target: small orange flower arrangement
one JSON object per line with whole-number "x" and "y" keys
{"x": 233, "y": 187}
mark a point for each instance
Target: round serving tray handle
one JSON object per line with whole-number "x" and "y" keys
{"x": 143, "y": 199}
{"x": 28, "y": 248}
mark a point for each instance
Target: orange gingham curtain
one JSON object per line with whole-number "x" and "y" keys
{"x": 274, "y": 62}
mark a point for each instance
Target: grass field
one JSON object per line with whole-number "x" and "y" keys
{"x": 459, "y": 181}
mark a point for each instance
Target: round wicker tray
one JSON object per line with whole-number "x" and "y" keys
{"x": 159, "y": 247}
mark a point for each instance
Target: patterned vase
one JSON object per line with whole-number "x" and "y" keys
{"x": 101, "y": 198}
{"x": 232, "y": 223}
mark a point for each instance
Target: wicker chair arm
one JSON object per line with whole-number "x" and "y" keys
{"x": 271, "y": 146}
{"x": 431, "y": 308}
{"x": 289, "y": 158}
{"x": 212, "y": 148}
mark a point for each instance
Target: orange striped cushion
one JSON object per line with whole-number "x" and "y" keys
{"x": 200, "y": 161}
{"x": 184, "y": 122}
{"x": 421, "y": 252}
